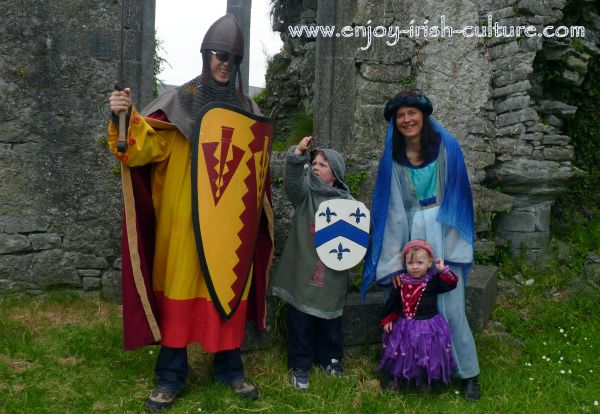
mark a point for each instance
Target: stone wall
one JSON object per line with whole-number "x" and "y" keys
{"x": 486, "y": 91}
{"x": 60, "y": 213}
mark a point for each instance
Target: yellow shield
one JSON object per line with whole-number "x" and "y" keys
{"x": 230, "y": 165}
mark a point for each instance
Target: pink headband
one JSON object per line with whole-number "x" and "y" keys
{"x": 416, "y": 244}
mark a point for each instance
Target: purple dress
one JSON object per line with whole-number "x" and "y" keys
{"x": 419, "y": 348}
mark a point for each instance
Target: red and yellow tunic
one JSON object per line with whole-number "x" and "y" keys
{"x": 180, "y": 310}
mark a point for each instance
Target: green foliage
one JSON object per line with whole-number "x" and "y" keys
{"x": 354, "y": 180}
{"x": 408, "y": 82}
{"x": 277, "y": 65}
{"x": 62, "y": 353}
{"x": 261, "y": 98}
{"x": 116, "y": 170}
{"x": 579, "y": 206}
{"x": 157, "y": 65}
{"x": 302, "y": 125}
{"x": 102, "y": 142}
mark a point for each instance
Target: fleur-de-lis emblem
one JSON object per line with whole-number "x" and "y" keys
{"x": 340, "y": 251}
{"x": 328, "y": 213}
{"x": 358, "y": 215}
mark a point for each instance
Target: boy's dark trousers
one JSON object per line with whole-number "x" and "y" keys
{"x": 312, "y": 340}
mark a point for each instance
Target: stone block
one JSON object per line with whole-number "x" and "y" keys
{"x": 361, "y": 320}
{"x": 485, "y": 247}
{"x": 573, "y": 77}
{"x": 556, "y": 139}
{"x": 516, "y": 220}
{"x": 14, "y": 243}
{"x": 15, "y": 267}
{"x": 518, "y": 73}
{"x": 512, "y": 118}
{"x": 523, "y": 240}
{"x": 385, "y": 73}
{"x": 480, "y": 295}
{"x": 517, "y": 87}
{"x": 93, "y": 273}
{"x": 512, "y": 130}
{"x": 504, "y": 50}
{"x": 490, "y": 200}
{"x": 90, "y": 283}
{"x": 53, "y": 268}
{"x": 554, "y": 121}
{"x": 87, "y": 261}
{"x": 512, "y": 104}
{"x": 111, "y": 286}
{"x": 479, "y": 160}
{"x": 45, "y": 241}
{"x": 558, "y": 153}
{"x": 556, "y": 108}
{"x": 542, "y": 217}
{"x": 14, "y": 224}
{"x": 546, "y": 129}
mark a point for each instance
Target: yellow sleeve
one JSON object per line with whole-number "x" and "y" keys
{"x": 147, "y": 142}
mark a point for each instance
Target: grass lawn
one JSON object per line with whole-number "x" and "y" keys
{"x": 62, "y": 353}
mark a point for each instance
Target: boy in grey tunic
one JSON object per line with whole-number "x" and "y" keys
{"x": 315, "y": 295}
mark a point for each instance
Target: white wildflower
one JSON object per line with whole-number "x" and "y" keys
{"x": 562, "y": 371}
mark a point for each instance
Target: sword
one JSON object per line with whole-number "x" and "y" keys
{"x": 121, "y": 143}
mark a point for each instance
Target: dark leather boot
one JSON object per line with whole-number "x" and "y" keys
{"x": 471, "y": 389}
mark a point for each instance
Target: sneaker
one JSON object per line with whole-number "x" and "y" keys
{"x": 160, "y": 399}
{"x": 334, "y": 369}
{"x": 244, "y": 390}
{"x": 299, "y": 379}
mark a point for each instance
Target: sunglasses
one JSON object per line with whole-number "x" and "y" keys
{"x": 226, "y": 56}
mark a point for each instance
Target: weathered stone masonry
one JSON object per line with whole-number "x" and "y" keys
{"x": 60, "y": 210}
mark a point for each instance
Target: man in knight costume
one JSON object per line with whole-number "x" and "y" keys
{"x": 167, "y": 298}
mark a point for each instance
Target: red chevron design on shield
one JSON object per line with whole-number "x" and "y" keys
{"x": 221, "y": 169}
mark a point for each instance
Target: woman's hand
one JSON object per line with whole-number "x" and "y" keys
{"x": 396, "y": 281}
{"x": 303, "y": 145}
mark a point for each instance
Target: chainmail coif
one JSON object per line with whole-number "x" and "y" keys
{"x": 203, "y": 90}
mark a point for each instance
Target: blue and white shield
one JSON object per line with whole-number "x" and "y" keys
{"x": 342, "y": 233}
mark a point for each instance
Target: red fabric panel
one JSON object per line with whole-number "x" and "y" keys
{"x": 197, "y": 320}
{"x": 136, "y": 332}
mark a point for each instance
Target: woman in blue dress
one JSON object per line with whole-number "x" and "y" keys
{"x": 423, "y": 192}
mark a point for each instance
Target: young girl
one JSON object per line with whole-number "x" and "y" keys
{"x": 416, "y": 341}
{"x": 315, "y": 295}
